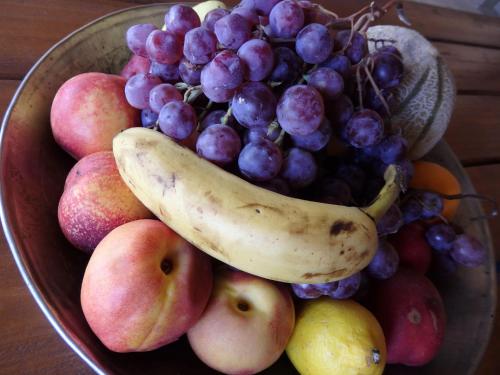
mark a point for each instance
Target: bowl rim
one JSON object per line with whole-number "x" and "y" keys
{"x": 19, "y": 259}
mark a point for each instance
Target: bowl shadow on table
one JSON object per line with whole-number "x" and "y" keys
{"x": 33, "y": 170}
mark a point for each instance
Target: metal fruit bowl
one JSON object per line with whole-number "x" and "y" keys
{"x": 33, "y": 169}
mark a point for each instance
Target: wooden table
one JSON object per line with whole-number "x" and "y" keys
{"x": 469, "y": 43}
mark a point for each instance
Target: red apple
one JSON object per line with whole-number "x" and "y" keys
{"x": 95, "y": 201}
{"x": 412, "y": 315}
{"x": 136, "y": 64}
{"x": 412, "y": 247}
{"x": 144, "y": 287}
{"x": 246, "y": 325}
{"x": 88, "y": 111}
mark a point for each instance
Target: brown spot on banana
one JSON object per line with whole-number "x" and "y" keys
{"x": 341, "y": 226}
{"x": 333, "y": 274}
{"x": 259, "y": 208}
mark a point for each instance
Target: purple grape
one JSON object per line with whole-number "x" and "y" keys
{"x": 340, "y": 111}
{"x": 213, "y": 16}
{"x": 385, "y": 263}
{"x": 148, "y": 118}
{"x": 373, "y": 101}
{"x": 411, "y": 209}
{"x": 136, "y": 38}
{"x": 364, "y": 129}
{"x": 391, "y": 221}
{"x": 164, "y": 47}
{"x": 306, "y": 291}
{"x": 333, "y": 190}
{"x": 214, "y": 118}
{"x": 254, "y": 105}
{"x": 222, "y": 76}
{"x": 263, "y": 7}
{"x": 391, "y": 50}
{"x": 232, "y": 31}
{"x": 219, "y": 144}
{"x": 388, "y": 70}
{"x": 190, "y": 73}
{"x": 277, "y": 185}
{"x": 300, "y": 110}
{"x": 258, "y": 57}
{"x": 341, "y": 289}
{"x": 468, "y": 251}
{"x": 327, "y": 81}
{"x": 315, "y": 141}
{"x": 256, "y": 133}
{"x": 138, "y": 88}
{"x": 356, "y": 50}
{"x": 180, "y": 19}
{"x": 440, "y": 237}
{"x": 249, "y": 14}
{"x": 200, "y": 45}
{"x": 299, "y": 168}
{"x": 432, "y": 204}
{"x": 340, "y": 64}
{"x": 353, "y": 175}
{"x": 161, "y": 95}
{"x": 260, "y": 160}
{"x": 392, "y": 149}
{"x": 177, "y": 120}
{"x": 167, "y": 72}
{"x": 314, "y": 43}
{"x": 286, "y": 19}
{"x": 287, "y": 66}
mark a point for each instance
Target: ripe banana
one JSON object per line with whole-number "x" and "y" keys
{"x": 250, "y": 228}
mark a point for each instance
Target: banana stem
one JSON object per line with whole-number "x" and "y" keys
{"x": 388, "y": 195}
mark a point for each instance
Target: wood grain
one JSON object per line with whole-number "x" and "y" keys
{"x": 443, "y": 24}
{"x": 474, "y": 130}
{"x": 474, "y": 68}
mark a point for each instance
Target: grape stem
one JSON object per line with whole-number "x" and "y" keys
{"x": 360, "y": 86}
{"x": 377, "y": 90}
{"x": 362, "y": 19}
{"x": 205, "y": 112}
{"x": 192, "y": 93}
{"x": 228, "y": 114}
{"x": 494, "y": 204}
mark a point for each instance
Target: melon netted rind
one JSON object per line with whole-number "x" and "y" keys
{"x": 426, "y": 97}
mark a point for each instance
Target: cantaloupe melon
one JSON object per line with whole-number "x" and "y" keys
{"x": 425, "y": 99}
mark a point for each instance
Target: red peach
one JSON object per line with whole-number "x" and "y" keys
{"x": 88, "y": 111}
{"x": 136, "y": 64}
{"x": 95, "y": 201}
{"x": 144, "y": 287}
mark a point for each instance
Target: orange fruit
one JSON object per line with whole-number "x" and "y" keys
{"x": 436, "y": 178}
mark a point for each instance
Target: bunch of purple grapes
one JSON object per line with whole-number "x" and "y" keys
{"x": 264, "y": 89}
{"x": 274, "y": 92}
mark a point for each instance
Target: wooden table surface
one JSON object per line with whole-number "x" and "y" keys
{"x": 469, "y": 43}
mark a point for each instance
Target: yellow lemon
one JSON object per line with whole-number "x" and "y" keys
{"x": 336, "y": 337}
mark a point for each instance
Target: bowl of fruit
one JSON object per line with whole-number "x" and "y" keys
{"x": 193, "y": 189}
